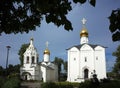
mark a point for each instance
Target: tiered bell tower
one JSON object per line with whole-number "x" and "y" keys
{"x": 31, "y": 55}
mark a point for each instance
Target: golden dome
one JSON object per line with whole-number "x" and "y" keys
{"x": 84, "y": 33}
{"x": 47, "y": 51}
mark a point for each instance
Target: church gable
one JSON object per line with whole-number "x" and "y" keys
{"x": 99, "y": 48}
{"x": 74, "y": 49}
{"x": 86, "y": 47}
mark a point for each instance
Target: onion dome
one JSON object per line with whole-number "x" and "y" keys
{"x": 84, "y": 33}
{"x": 47, "y": 51}
{"x": 31, "y": 38}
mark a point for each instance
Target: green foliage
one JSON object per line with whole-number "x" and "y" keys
{"x": 2, "y": 81}
{"x": 21, "y": 52}
{"x": 2, "y": 71}
{"x": 111, "y": 84}
{"x": 12, "y": 83}
{"x": 114, "y": 27}
{"x": 65, "y": 65}
{"x": 92, "y": 2}
{"x": 59, "y": 62}
{"x": 116, "y": 68}
{"x": 18, "y": 16}
{"x": 104, "y": 84}
{"x": 48, "y": 85}
{"x": 85, "y": 84}
{"x": 58, "y": 85}
{"x": 11, "y": 79}
{"x": 13, "y": 70}
{"x": 24, "y": 15}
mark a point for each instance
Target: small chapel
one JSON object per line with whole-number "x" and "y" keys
{"x": 85, "y": 59}
{"x": 32, "y": 69}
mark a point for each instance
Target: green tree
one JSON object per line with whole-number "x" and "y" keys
{"x": 116, "y": 68}
{"x": 1, "y": 71}
{"x": 12, "y": 83}
{"x": 114, "y": 27}
{"x": 59, "y": 62}
{"x": 24, "y": 15}
{"x": 13, "y": 70}
{"x": 21, "y": 52}
{"x": 65, "y": 65}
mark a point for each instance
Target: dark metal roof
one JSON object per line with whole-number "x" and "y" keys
{"x": 79, "y": 46}
{"x": 47, "y": 67}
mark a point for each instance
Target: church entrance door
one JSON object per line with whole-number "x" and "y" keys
{"x": 25, "y": 77}
{"x": 86, "y": 73}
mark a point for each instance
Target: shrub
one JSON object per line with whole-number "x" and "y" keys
{"x": 2, "y": 81}
{"x": 64, "y": 85}
{"x": 85, "y": 84}
{"x": 48, "y": 85}
{"x": 111, "y": 84}
{"x": 57, "y": 85}
{"x": 12, "y": 83}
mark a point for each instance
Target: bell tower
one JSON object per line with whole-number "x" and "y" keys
{"x": 31, "y": 55}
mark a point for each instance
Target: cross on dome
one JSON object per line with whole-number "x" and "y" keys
{"x": 84, "y": 21}
{"x": 47, "y": 43}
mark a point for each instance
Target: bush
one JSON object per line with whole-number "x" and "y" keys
{"x": 57, "y": 85}
{"x": 111, "y": 84}
{"x": 85, "y": 84}
{"x": 64, "y": 85}
{"x": 48, "y": 85}
{"x": 2, "y": 81}
{"x": 12, "y": 83}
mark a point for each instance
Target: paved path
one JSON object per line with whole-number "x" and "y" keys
{"x": 30, "y": 85}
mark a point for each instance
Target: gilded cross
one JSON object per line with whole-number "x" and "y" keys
{"x": 84, "y": 21}
{"x": 47, "y": 43}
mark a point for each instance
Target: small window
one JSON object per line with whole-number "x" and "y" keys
{"x": 27, "y": 59}
{"x": 96, "y": 58}
{"x": 74, "y": 58}
{"x": 85, "y": 59}
{"x": 33, "y": 59}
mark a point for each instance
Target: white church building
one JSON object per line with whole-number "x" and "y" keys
{"x": 85, "y": 59}
{"x": 32, "y": 69}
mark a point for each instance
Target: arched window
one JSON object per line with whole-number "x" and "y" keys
{"x": 33, "y": 59}
{"x": 86, "y": 73}
{"x": 85, "y": 59}
{"x": 27, "y": 61}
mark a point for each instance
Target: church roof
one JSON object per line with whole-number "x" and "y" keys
{"x": 47, "y": 67}
{"x": 91, "y": 45}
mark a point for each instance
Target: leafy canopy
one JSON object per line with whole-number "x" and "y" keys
{"x": 24, "y": 15}
{"x": 116, "y": 68}
{"x": 18, "y": 16}
{"x": 21, "y": 52}
{"x": 114, "y": 27}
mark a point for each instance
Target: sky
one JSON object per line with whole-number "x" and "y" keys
{"x": 59, "y": 39}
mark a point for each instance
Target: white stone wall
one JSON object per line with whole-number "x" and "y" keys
{"x": 46, "y": 57}
{"x": 73, "y": 66}
{"x": 87, "y": 60}
{"x": 86, "y": 57}
{"x": 100, "y": 62}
